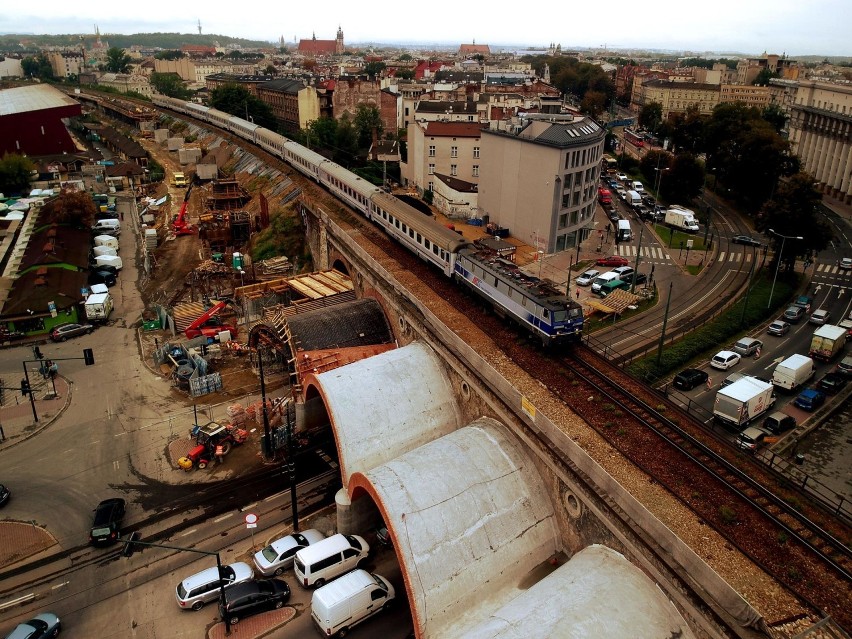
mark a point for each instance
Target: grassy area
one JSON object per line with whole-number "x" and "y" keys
{"x": 703, "y": 341}
{"x": 673, "y": 239}
{"x": 597, "y": 322}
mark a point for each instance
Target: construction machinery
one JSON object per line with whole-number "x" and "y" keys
{"x": 208, "y": 324}
{"x": 180, "y": 226}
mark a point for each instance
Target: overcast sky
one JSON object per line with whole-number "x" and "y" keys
{"x": 795, "y": 27}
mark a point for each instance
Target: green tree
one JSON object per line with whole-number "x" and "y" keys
{"x": 405, "y": 57}
{"x": 169, "y": 84}
{"x": 270, "y": 69}
{"x": 774, "y": 114}
{"x": 322, "y": 133}
{"x": 117, "y": 60}
{"x": 765, "y": 76}
{"x": 793, "y": 211}
{"x": 593, "y": 103}
{"x": 15, "y": 172}
{"x": 171, "y": 54}
{"x": 237, "y": 100}
{"x": 684, "y": 179}
{"x": 346, "y": 143}
{"x": 37, "y": 67}
{"x": 652, "y": 163}
{"x": 367, "y": 118}
{"x": 405, "y": 74}
{"x": 71, "y": 207}
{"x": 374, "y": 69}
{"x": 651, "y": 115}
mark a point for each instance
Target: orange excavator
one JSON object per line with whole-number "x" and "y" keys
{"x": 180, "y": 226}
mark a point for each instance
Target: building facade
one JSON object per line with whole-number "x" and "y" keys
{"x": 821, "y": 135}
{"x": 448, "y": 148}
{"x": 539, "y": 178}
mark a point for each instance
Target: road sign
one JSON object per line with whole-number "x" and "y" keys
{"x": 251, "y": 520}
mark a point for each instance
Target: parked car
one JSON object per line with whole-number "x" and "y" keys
{"x": 846, "y": 262}
{"x": 278, "y": 556}
{"x": 44, "y": 625}
{"x": 779, "y": 422}
{"x": 778, "y": 327}
{"x": 689, "y": 378}
{"x": 648, "y": 200}
{"x": 102, "y": 277}
{"x": 5, "y": 494}
{"x": 621, "y": 177}
{"x": 612, "y": 260}
{"x": 724, "y": 360}
{"x": 62, "y": 332}
{"x": 819, "y": 317}
{"x": 730, "y": 379}
{"x": 832, "y": 383}
{"x": 804, "y": 301}
{"x": 751, "y": 438}
{"x": 794, "y": 314}
{"x": 253, "y": 597}
{"x": 810, "y": 399}
{"x": 845, "y": 366}
{"x": 747, "y": 346}
{"x": 586, "y": 278}
{"x": 639, "y": 278}
{"x": 204, "y": 587}
{"x": 745, "y": 239}
{"x": 106, "y": 522}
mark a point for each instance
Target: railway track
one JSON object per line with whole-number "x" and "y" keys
{"x": 808, "y": 556}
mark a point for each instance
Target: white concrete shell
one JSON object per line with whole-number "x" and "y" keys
{"x": 386, "y": 405}
{"x": 598, "y": 593}
{"x": 470, "y": 519}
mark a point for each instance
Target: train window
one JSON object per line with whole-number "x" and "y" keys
{"x": 410, "y": 232}
{"x": 427, "y": 244}
{"x": 545, "y": 313}
{"x": 435, "y": 249}
{"x": 419, "y": 239}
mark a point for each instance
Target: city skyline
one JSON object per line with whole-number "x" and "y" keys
{"x": 781, "y": 27}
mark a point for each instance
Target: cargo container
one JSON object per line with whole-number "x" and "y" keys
{"x": 743, "y": 401}
{"x": 828, "y": 341}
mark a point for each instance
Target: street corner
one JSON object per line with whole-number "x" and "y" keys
{"x": 255, "y": 626}
{"x": 20, "y": 540}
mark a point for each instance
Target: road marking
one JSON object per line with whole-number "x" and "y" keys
{"x": 222, "y": 518}
{"x": 189, "y": 532}
{"x": 722, "y": 256}
{"x": 116, "y": 465}
{"x": 17, "y": 601}
{"x": 119, "y": 434}
{"x": 249, "y": 507}
{"x": 62, "y": 585}
{"x": 275, "y": 496}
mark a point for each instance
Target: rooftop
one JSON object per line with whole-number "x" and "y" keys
{"x": 32, "y": 98}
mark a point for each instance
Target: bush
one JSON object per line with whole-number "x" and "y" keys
{"x": 727, "y": 514}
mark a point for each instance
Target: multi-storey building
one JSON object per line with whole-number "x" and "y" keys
{"x": 539, "y": 178}
{"x": 65, "y": 63}
{"x": 750, "y": 94}
{"x": 450, "y": 148}
{"x": 821, "y": 134}
{"x": 676, "y": 97}
{"x": 750, "y": 68}
{"x": 293, "y": 104}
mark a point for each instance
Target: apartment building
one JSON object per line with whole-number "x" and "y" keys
{"x": 750, "y": 94}
{"x": 749, "y": 68}
{"x": 450, "y": 148}
{"x": 677, "y": 97}
{"x": 293, "y": 104}
{"x": 539, "y": 178}
{"x": 65, "y": 64}
{"x": 821, "y": 134}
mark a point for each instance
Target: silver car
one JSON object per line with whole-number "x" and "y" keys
{"x": 44, "y": 625}
{"x": 203, "y": 587}
{"x": 586, "y": 278}
{"x": 278, "y": 556}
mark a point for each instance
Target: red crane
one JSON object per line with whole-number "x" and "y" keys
{"x": 208, "y": 324}
{"x": 180, "y": 226}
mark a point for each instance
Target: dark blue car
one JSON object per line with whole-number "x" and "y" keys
{"x": 810, "y": 399}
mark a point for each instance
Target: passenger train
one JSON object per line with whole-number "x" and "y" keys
{"x": 549, "y": 314}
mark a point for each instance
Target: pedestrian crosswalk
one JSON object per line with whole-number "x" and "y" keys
{"x": 724, "y": 256}
{"x": 649, "y": 252}
{"x": 830, "y": 269}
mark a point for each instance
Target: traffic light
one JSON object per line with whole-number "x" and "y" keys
{"x": 25, "y": 388}
{"x": 129, "y": 545}
{"x": 88, "y": 356}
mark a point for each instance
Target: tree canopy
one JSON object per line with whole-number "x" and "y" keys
{"x": 237, "y": 100}
{"x": 15, "y": 172}
{"x": 117, "y": 60}
{"x": 374, "y": 69}
{"x": 171, "y": 54}
{"x": 37, "y": 67}
{"x": 169, "y": 84}
{"x": 71, "y": 207}
{"x": 367, "y": 118}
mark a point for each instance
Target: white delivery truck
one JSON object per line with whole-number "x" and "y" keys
{"x": 634, "y": 199}
{"x": 681, "y": 218}
{"x": 793, "y": 372}
{"x": 743, "y": 401}
{"x": 623, "y": 232}
{"x": 98, "y": 306}
{"x": 104, "y": 250}
{"x": 348, "y": 601}
{"x": 828, "y": 341}
{"x": 109, "y": 260}
{"x": 106, "y": 240}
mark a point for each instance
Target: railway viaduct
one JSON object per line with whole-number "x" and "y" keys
{"x": 503, "y": 524}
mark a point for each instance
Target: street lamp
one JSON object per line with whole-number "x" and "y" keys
{"x": 778, "y": 261}
{"x": 659, "y": 172}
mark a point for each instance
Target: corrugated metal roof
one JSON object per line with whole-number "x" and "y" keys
{"x": 32, "y": 98}
{"x": 358, "y": 323}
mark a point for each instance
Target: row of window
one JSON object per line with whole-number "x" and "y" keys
{"x": 583, "y": 156}
{"x": 454, "y": 170}
{"x": 454, "y": 151}
{"x": 414, "y": 235}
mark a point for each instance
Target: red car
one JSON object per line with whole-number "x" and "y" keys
{"x": 612, "y": 260}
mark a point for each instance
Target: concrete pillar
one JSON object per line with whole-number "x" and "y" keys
{"x": 344, "y": 512}
{"x": 355, "y": 517}
{"x": 825, "y": 159}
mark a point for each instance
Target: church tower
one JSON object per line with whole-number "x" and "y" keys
{"x": 338, "y": 42}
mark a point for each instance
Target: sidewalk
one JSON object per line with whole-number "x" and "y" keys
{"x": 16, "y": 414}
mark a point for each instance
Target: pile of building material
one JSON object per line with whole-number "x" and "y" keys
{"x": 150, "y": 239}
{"x": 276, "y": 266}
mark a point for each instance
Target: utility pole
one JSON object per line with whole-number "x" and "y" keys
{"x": 665, "y": 321}
{"x": 636, "y": 264}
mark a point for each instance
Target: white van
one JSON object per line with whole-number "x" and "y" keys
{"x": 329, "y": 558}
{"x": 623, "y": 232}
{"x": 109, "y": 260}
{"x": 107, "y": 227}
{"x": 605, "y": 278}
{"x": 633, "y": 198}
{"x": 338, "y": 606}
{"x": 104, "y": 250}
{"x": 637, "y": 186}
{"x": 106, "y": 240}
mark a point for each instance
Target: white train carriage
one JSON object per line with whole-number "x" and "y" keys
{"x": 418, "y": 232}
{"x": 270, "y": 141}
{"x": 219, "y": 118}
{"x": 198, "y": 110}
{"x": 303, "y": 159}
{"x": 346, "y": 185}
{"x": 243, "y": 128}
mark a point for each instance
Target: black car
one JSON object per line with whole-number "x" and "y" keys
{"x": 745, "y": 239}
{"x": 102, "y": 277}
{"x": 640, "y": 278}
{"x": 689, "y": 378}
{"x": 106, "y": 268}
{"x": 4, "y": 495}
{"x": 832, "y": 383}
{"x": 107, "y": 520}
{"x": 253, "y": 597}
